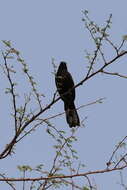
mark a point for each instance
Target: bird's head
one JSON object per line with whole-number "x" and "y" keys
{"x": 62, "y": 68}
{"x": 63, "y": 65}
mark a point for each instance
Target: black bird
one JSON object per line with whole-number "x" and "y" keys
{"x": 64, "y": 84}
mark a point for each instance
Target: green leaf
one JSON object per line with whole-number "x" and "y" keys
{"x": 125, "y": 37}
{"x": 8, "y": 90}
{"x": 83, "y": 165}
{"x": 7, "y": 43}
{"x": 59, "y": 153}
{"x": 86, "y": 188}
{"x": 39, "y": 166}
{"x": 24, "y": 168}
{"x": 20, "y": 60}
{"x": 86, "y": 12}
{"x": 10, "y": 57}
{"x": 122, "y": 145}
{"x": 62, "y": 131}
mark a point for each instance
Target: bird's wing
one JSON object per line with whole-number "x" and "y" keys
{"x": 64, "y": 82}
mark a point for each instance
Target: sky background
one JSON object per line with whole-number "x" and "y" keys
{"x": 45, "y": 29}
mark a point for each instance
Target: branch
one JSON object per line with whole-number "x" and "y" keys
{"x": 121, "y": 159}
{"x": 12, "y": 88}
{"x": 78, "y": 108}
{"x": 117, "y": 147}
{"x": 9, "y": 183}
{"x": 65, "y": 176}
{"x": 115, "y": 74}
{"x": 97, "y": 43}
{"x": 89, "y": 182}
{"x": 8, "y": 149}
{"x": 68, "y": 182}
{"x": 80, "y": 83}
{"x": 101, "y": 69}
{"x": 41, "y": 120}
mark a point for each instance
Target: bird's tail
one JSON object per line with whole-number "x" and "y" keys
{"x": 71, "y": 115}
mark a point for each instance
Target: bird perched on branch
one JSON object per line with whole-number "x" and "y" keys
{"x": 65, "y": 84}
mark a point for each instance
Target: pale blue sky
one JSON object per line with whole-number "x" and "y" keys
{"x": 43, "y": 30}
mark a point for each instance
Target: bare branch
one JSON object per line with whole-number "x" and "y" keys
{"x": 112, "y": 44}
{"x": 66, "y": 176}
{"x": 7, "y": 150}
{"x": 89, "y": 182}
{"x": 122, "y": 159}
{"x": 117, "y": 147}
{"x": 10, "y": 184}
{"x": 115, "y": 74}
{"x": 121, "y": 45}
{"x": 74, "y": 185}
{"x": 12, "y": 89}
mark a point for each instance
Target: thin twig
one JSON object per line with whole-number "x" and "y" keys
{"x": 89, "y": 182}
{"x": 112, "y": 44}
{"x": 121, "y": 159}
{"x": 74, "y": 185}
{"x": 117, "y": 147}
{"x": 10, "y": 184}
{"x": 23, "y": 188}
{"x": 121, "y": 45}
{"x": 12, "y": 89}
{"x": 7, "y": 150}
{"x": 115, "y": 74}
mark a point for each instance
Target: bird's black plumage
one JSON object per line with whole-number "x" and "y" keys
{"x": 65, "y": 84}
